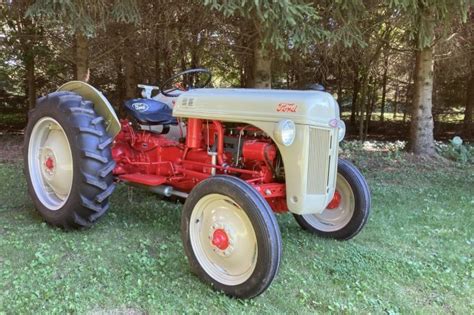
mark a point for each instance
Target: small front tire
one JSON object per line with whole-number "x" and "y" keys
{"x": 349, "y": 210}
{"x": 231, "y": 236}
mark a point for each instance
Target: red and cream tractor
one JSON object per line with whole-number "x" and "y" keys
{"x": 236, "y": 157}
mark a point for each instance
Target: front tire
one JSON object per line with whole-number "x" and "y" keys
{"x": 348, "y": 211}
{"x": 231, "y": 236}
{"x": 68, "y": 161}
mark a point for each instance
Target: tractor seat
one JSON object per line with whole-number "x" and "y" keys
{"x": 150, "y": 112}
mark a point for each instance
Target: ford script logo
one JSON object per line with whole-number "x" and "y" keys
{"x": 287, "y": 108}
{"x": 140, "y": 107}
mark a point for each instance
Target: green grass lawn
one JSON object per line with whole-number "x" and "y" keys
{"x": 415, "y": 254}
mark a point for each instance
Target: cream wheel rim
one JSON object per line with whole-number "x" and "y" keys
{"x": 331, "y": 220}
{"x": 50, "y": 163}
{"x": 223, "y": 239}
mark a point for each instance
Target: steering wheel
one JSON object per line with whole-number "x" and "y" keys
{"x": 190, "y": 81}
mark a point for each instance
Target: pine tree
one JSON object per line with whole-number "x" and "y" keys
{"x": 420, "y": 19}
{"x": 83, "y": 18}
{"x": 277, "y": 26}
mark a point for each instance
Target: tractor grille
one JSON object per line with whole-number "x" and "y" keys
{"x": 319, "y": 163}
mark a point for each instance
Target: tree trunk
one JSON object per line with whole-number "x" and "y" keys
{"x": 183, "y": 61}
{"x": 120, "y": 93}
{"x": 242, "y": 73}
{"x": 362, "y": 105}
{"x": 158, "y": 49}
{"x": 262, "y": 63}
{"x": 384, "y": 89}
{"x": 30, "y": 78}
{"x": 245, "y": 54}
{"x": 288, "y": 79}
{"x": 408, "y": 95}
{"x": 246, "y": 79}
{"x": 339, "y": 84}
{"x": 355, "y": 93}
{"x": 196, "y": 49}
{"x": 25, "y": 27}
{"x": 262, "y": 66}
{"x": 395, "y": 105}
{"x": 370, "y": 108}
{"x": 298, "y": 68}
{"x": 82, "y": 71}
{"x": 468, "y": 113}
{"x": 421, "y": 129}
{"x": 129, "y": 68}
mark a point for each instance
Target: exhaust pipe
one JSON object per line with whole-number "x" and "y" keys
{"x": 167, "y": 191}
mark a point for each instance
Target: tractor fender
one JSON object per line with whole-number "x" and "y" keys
{"x": 101, "y": 105}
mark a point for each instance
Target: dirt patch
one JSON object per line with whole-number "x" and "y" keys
{"x": 11, "y": 146}
{"x": 425, "y": 162}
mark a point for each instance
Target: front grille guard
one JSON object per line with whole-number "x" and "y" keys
{"x": 322, "y": 161}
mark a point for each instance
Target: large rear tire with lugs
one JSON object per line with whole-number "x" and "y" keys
{"x": 68, "y": 161}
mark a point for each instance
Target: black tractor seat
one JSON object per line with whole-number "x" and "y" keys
{"x": 150, "y": 112}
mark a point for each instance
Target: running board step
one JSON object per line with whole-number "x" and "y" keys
{"x": 143, "y": 179}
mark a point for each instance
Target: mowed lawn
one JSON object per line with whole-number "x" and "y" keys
{"x": 415, "y": 254}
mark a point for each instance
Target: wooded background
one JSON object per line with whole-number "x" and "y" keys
{"x": 399, "y": 69}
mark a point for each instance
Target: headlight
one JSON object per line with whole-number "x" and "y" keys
{"x": 341, "y": 128}
{"x": 341, "y": 131}
{"x": 285, "y": 132}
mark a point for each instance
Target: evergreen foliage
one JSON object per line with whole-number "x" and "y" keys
{"x": 347, "y": 46}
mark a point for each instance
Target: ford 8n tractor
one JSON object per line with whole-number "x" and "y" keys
{"x": 234, "y": 156}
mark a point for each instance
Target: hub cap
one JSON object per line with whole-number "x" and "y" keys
{"x": 338, "y": 212}
{"x": 220, "y": 239}
{"x": 223, "y": 239}
{"x": 335, "y": 202}
{"x": 50, "y": 163}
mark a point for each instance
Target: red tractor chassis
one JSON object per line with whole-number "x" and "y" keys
{"x": 146, "y": 158}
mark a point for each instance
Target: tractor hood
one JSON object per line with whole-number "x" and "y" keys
{"x": 238, "y": 105}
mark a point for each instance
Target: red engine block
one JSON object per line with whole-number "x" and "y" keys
{"x": 151, "y": 159}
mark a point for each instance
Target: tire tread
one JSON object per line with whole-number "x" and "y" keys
{"x": 91, "y": 146}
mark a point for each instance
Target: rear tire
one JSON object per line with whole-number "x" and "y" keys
{"x": 231, "y": 236}
{"x": 350, "y": 214}
{"x": 68, "y": 161}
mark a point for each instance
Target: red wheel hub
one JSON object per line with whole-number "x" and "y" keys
{"x": 49, "y": 163}
{"x": 335, "y": 202}
{"x": 220, "y": 239}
